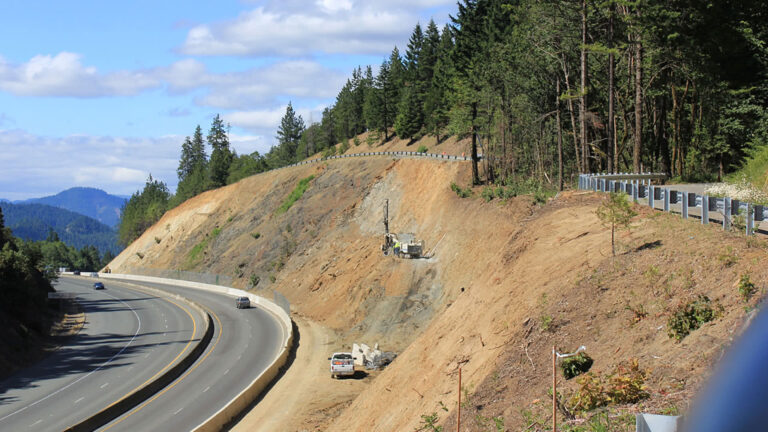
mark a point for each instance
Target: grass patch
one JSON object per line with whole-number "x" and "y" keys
{"x": 294, "y": 196}
{"x": 195, "y": 254}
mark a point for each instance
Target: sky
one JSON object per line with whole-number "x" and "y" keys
{"x": 102, "y": 93}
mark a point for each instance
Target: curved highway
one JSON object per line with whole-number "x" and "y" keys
{"x": 129, "y": 338}
{"x": 245, "y": 343}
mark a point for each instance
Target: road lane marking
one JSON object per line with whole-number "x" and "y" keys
{"x": 178, "y": 380}
{"x": 206, "y": 389}
{"x": 178, "y": 410}
{"x": 36, "y": 423}
{"x": 226, "y": 372}
{"x": 104, "y": 385}
{"x": 101, "y": 366}
{"x": 194, "y": 331}
{"x": 79, "y": 399}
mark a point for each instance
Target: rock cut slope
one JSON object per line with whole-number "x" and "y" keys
{"x": 508, "y": 280}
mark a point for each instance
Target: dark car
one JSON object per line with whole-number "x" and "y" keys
{"x": 242, "y": 303}
{"x": 76, "y": 272}
{"x": 98, "y": 285}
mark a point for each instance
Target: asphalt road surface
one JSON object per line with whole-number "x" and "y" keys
{"x": 245, "y": 343}
{"x": 129, "y": 337}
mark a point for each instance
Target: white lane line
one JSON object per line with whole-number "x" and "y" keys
{"x": 104, "y": 385}
{"x": 146, "y": 356}
{"x": 79, "y": 399}
{"x": 206, "y": 389}
{"x": 35, "y": 423}
{"x": 101, "y": 366}
{"x": 226, "y": 372}
{"x": 178, "y": 411}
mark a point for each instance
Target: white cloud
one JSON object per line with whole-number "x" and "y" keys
{"x": 37, "y": 166}
{"x": 370, "y": 29}
{"x": 265, "y": 85}
{"x": 64, "y": 75}
{"x": 256, "y": 119}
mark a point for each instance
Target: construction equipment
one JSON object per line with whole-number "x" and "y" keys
{"x": 404, "y": 245}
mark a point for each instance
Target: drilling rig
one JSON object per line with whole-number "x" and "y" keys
{"x": 409, "y": 247}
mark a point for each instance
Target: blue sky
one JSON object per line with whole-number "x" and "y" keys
{"x": 102, "y": 93}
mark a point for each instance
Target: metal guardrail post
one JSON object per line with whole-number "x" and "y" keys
{"x": 750, "y": 219}
{"x": 634, "y": 192}
{"x": 727, "y": 213}
{"x": 666, "y": 194}
{"x": 685, "y": 205}
{"x": 705, "y": 210}
{"x": 651, "y": 195}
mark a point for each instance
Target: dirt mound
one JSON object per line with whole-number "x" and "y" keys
{"x": 508, "y": 280}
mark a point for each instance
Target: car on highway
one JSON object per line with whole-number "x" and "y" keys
{"x": 242, "y": 302}
{"x": 76, "y": 272}
{"x": 98, "y": 286}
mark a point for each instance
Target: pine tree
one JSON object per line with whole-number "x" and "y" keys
{"x": 288, "y": 135}
{"x": 221, "y": 155}
{"x": 436, "y": 105}
{"x": 410, "y": 115}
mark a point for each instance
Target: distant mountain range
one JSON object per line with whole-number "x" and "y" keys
{"x": 91, "y": 202}
{"x": 33, "y": 221}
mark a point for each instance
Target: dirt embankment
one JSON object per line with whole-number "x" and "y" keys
{"x": 507, "y": 282}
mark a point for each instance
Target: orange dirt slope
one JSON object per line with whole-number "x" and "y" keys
{"x": 508, "y": 280}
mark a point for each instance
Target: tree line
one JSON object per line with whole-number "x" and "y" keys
{"x": 24, "y": 283}
{"x": 543, "y": 90}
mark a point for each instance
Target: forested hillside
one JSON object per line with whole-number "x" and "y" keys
{"x": 35, "y": 222}
{"x": 544, "y": 89}
{"x": 91, "y": 202}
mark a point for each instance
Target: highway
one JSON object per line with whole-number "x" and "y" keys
{"x": 244, "y": 344}
{"x": 129, "y": 338}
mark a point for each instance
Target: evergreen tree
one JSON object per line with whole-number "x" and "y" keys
{"x": 221, "y": 155}
{"x": 288, "y": 135}
{"x": 410, "y": 114}
{"x": 142, "y": 210}
{"x": 436, "y": 104}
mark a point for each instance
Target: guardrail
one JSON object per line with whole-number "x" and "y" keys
{"x": 635, "y": 186}
{"x": 256, "y": 387}
{"x": 388, "y": 153}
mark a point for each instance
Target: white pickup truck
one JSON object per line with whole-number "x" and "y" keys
{"x": 342, "y": 364}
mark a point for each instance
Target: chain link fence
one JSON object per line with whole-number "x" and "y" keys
{"x": 206, "y": 278}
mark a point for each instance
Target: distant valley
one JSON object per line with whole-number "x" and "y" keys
{"x": 79, "y": 216}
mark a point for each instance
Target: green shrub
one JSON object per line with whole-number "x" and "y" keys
{"x": 691, "y": 316}
{"x": 255, "y": 280}
{"x": 344, "y": 146}
{"x": 330, "y": 151}
{"x": 625, "y": 385}
{"x": 256, "y": 235}
{"x": 487, "y": 193}
{"x": 746, "y": 288}
{"x": 356, "y": 141}
{"x": 576, "y": 365}
{"x": 462, "y": 193}
{"x": 422, "y": 149}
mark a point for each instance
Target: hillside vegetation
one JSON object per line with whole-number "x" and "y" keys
{"x": 508, "y": 280}
{"x": 34, "y": 222}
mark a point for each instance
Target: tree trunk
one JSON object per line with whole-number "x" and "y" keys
{"x": 611, "y": 102}
{"x": 475, "y": 174}
{"x": 583, "y": 90}
{"x": 636, "y": 156}
{"x": 559, "y": 138}
{"x": 663, "y": 143}
{"x": 571, "y": 112}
